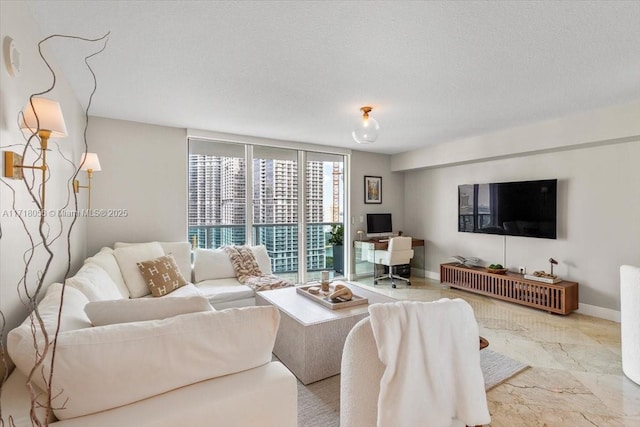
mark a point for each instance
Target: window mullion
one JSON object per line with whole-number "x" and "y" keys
{"x": 248, "y": 157}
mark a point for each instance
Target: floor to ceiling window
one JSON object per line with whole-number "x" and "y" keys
{"x": 294, "y": 198}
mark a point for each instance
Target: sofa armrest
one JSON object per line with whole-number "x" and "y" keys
{"x": 156, "y": 356}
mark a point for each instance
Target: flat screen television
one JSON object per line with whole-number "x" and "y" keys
{"x": 525, "y": 208}
{"x": 379, "y": 224}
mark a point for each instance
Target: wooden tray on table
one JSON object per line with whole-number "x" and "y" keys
{"x": 323, "y": 299}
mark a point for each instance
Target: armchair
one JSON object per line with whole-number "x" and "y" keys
{"x": 433, "y": 383}
{"x": 399, "y": 252}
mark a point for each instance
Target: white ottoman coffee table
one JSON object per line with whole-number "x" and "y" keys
{"x": 311, "y": 337}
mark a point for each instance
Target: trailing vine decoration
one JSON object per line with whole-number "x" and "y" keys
{"x": 43, "y": 344}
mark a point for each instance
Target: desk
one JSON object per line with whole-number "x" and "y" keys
{"x": 378, "y": 245}
{"x": 365, "y": 251}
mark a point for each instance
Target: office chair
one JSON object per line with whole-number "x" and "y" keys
{"x": 399, "y": 252}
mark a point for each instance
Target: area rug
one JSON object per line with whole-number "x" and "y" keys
{"x": 319, "y": 403}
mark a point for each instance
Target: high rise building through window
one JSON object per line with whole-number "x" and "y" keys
{"x": 218, "y": 200}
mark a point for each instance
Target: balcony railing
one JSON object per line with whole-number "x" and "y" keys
{"x": 281, "y": 241}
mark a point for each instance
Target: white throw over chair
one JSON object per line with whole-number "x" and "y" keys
{"x": 362, "y": 370}
{"x": 399, "y": 252}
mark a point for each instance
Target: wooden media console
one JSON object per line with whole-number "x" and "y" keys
{"x": 561, "y": 298}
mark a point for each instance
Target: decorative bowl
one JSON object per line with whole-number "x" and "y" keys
{"x": 497, "y": 270}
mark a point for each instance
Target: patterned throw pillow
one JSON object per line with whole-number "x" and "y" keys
{"x": 161, "y": 275}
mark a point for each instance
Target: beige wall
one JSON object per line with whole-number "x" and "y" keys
{"x": 144, "y": 171}
{"x": 16, "y": 22}
{"x": 598, "y": 203}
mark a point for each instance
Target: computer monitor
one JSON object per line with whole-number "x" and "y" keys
{"x": 379, "y": 224}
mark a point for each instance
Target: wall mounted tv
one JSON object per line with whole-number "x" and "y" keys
{"x": 526, "y": 208}
{"x": 379, "y": 223}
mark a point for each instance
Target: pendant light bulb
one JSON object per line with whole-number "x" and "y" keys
{"x": 367, "y": 129}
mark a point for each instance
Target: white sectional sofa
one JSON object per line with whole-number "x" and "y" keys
{"x": 155, "y": 361}
{"x": 211, "y": 271}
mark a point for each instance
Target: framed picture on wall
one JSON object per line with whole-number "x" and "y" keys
{"x": 373, "y": 189}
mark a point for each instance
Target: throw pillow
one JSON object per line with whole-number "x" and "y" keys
{"x": 140, "y": 309}
{"x": 93, "y": 281}
{"x": 181, "y": 251}
{"x": 212, "y": 264}
{"x": 128, "y": 257}
{"x": 262, "y": 258}
{"x": 161, "y": 275}
{"x": 107, "y": 261}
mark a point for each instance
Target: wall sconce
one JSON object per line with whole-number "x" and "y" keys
{"x": 366, "y": 131}
{"x": 90, "y": 163}
{"x": 42, "y": 117}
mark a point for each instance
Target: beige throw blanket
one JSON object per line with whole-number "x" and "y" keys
{"x": 248, "y": 272}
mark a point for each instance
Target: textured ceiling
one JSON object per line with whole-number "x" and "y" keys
{"x": 434, "y": 71}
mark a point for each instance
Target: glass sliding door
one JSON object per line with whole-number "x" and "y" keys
{"x": 289, "y": 200}
{"x": 324, "y": 214}
{"x": 275, "y": 207}
{"x": 217, "y": 194}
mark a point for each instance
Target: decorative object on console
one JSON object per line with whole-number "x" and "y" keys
{"x": 89, "y": 163}
{"x": 552, "y": 262}
{"x": 466, "y": 262}
{"x": 496, "y": 269}
{"x": 366, "y": 131}
{"x": 373, "y": 189}
{"x": 541, "y": 276}
{"x": 43, "y": 118}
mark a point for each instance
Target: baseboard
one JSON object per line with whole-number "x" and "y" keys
{"x": 432, "y": 275}
{"x": 601, "y": 312}
{"x": 418, "y": 272}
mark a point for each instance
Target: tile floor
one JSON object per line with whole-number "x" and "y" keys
{"x": 575, "y": 377}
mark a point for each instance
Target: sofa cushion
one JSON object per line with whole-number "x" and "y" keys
{"x": 161, "y": 275}
{"x": 181, "y": 252}
{"x": 128, "y": 257}
{"x": 95, "y": 283}
{"x": 140, "y": 309}
{"x": 188, "y": 290}
{"x": 167, "y": 354}
{"x": 20, "y": 340}
{"x": 262, "y": 258}
{"x": 105, "y": 259}
{"x": 222, "y": 290}
{"x": 211, "y": 264}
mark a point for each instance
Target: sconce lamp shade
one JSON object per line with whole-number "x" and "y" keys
{"x": 90, "y": 161}
{"x": 366, "y": 130}
{"x": 49, "y": 117}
